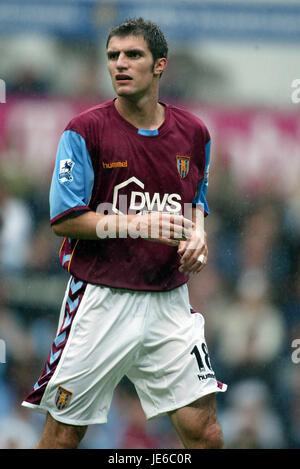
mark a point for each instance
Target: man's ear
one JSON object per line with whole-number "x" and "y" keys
{"x": 159, "y": 66}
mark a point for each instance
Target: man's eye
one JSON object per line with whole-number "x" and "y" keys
{"x": 112, "y": 56}
{"x": 134, "y": 54}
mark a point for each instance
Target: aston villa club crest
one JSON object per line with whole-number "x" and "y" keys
{"x": 183, "y": 165}
{"x": 62, "y": 398}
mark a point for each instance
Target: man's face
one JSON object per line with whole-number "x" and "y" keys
{"x": 130, "y": 64}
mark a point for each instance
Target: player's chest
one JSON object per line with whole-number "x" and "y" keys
{"x": 161, "y": 164}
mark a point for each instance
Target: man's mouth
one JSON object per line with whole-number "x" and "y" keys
{"x": 123, "y": 77}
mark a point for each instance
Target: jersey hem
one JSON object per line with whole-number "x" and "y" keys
{"x": 122, "y": 288}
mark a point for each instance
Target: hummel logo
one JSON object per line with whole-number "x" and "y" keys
{"x": 115, "y": 164}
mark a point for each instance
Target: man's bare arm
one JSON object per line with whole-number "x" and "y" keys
{"x": 92, "y": 226}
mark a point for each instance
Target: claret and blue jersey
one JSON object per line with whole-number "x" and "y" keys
{"x": 102, "y": 157}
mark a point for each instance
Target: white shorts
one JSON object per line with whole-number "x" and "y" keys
{"x": 104, "y": 334}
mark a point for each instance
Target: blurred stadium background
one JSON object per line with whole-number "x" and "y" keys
{"x": 233, "y": 64}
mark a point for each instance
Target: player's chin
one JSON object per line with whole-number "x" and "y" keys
{"x": 123, "y": 93}
{"x": 130, "y": 91}
{"x": 124, "y": 90}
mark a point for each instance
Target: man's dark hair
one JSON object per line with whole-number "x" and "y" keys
{"x": 152, "y": 34}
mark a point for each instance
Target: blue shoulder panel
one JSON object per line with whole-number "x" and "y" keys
{"x": 73, "y": 176}
{"x": 200, "y": 198}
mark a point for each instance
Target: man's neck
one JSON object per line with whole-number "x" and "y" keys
{"x": 143, "y": 114}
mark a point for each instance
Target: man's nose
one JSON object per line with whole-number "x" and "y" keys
{"x": 122, "y": 61}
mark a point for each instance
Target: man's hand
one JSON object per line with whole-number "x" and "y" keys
{"x": 193, "y": 254}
